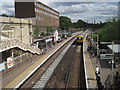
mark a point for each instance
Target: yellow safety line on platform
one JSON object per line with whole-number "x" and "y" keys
{"x": 28, "y": 71}
{"x": 92, "y": 68}
{"x": 23, "y": 73}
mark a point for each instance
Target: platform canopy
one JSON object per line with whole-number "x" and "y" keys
{"x": 115, "y": 48}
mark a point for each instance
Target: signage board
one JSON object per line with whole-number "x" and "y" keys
{"x": 9, "y": 62}
{"x": 2, "y": 66}
{"x": 105, "y": 56}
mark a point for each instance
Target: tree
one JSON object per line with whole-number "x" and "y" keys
{"x": 43, "y": 34}
{"x": 65, "y": 22}
{"x": 48, "y": 30}
{"x": 81, "y": 24}
{"x": 4, "y": 15}
{"x": 36, "y": 32}
{"x": 111, "y": 31}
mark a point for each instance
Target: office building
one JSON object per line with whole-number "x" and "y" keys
{"x": 42, "y": 16}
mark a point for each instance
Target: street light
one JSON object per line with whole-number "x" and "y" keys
{"x": 112, "y": 63}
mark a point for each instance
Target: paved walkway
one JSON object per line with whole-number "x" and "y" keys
{"x": 89, "y": 70}
{"x": 15, "y": 77}
{"x": 105, "y": 67}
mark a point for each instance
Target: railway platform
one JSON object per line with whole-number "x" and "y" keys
{"x": 89, "y": 69}
{"x": 16, "y": 77}
{"x": 90, "y": 65}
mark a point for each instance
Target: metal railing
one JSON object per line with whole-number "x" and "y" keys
{"x": 8, "y": 44}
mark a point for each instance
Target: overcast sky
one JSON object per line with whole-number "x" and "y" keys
{"x": 87, "y": 10}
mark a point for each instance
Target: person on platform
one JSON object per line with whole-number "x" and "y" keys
{"x": 97, "y": 71}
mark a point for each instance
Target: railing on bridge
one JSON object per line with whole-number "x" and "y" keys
{"x": 8, "y": 44}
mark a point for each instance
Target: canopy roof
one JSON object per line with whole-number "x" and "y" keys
{"x": 115, "y": 48}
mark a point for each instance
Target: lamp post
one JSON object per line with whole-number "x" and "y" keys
{"x": 112, "y": 64}
{"x": 97, "y": 46}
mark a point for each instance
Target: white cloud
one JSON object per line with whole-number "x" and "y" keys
{"x": 80, "y": 10}
{"x": 79, "y": 0}
{"x": 7, "y": 8}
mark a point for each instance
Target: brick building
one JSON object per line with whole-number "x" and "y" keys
{"x": 42, "y": 16}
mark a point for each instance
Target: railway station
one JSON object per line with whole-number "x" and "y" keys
{"x": 80, "y": 68}
{"x": 39, "y": 51}
{"x": 48, "y": 70}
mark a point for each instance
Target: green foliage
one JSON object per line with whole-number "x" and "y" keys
{"x": 43, "y": 34}
{"x": 48, "y": 29}
{"x": 5, "y": 15}
{"x": 111, "y": 31}
{"x": 81, "y": 24}
{"x": 65, "y": 22}
{"x": 36, "y": 32}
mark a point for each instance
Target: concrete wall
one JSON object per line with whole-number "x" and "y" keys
{"x": 21, "y": 29}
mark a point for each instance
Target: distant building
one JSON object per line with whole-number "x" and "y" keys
{"x": 42, "y": 15}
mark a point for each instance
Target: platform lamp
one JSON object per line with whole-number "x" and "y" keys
{"x": 112, "y": 63}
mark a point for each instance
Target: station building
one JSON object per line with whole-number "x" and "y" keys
{"x": 42, "y": 16}
{"x": 15, "y": 42}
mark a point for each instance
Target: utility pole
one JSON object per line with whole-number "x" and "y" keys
{"x": 97, "y": 45}
{"x": 112, "y": 64}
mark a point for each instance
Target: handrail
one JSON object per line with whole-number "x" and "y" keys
{"x": 8, "y": 44}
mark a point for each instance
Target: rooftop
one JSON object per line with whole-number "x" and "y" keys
{"x": 115, "y": 48}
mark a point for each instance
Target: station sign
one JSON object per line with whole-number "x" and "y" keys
{"x": 2, "y": 66}
{"x": 106, "y": 56}
{"x": 9, "y": 62}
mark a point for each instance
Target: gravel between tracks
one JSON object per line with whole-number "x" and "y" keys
{"x": 45, "y": 77}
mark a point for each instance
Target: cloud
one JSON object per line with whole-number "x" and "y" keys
{"x": 79, "y": 0}
{"x": 72, "y": 7}
{"x": 7, "y": 8}
{"x": 85, "y": 10}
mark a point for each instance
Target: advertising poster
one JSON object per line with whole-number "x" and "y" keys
{"x": 9, "y": 62}
{"x": 56, "y": 36}
{"x": 2, "y": 67}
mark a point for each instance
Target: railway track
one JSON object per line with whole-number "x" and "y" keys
{"x": 30, "y": 82}
{"x": 68, "y": 72}
{"x": 72, "y": 77}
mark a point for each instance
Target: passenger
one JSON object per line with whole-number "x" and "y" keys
{"x": 89, "y": 47}
{"x": 91, "y": 53}
{"x": 100, "y": 86}
{"x": 97, "y": 71}
{"x": 98, "y": 79}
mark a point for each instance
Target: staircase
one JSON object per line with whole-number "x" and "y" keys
{"x": 8, "y": 44}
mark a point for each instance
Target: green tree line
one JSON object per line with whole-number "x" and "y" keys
{"x": 111, "y": 31}
{"x": 66, "y": 23}
{"x": 108, "y": 31}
